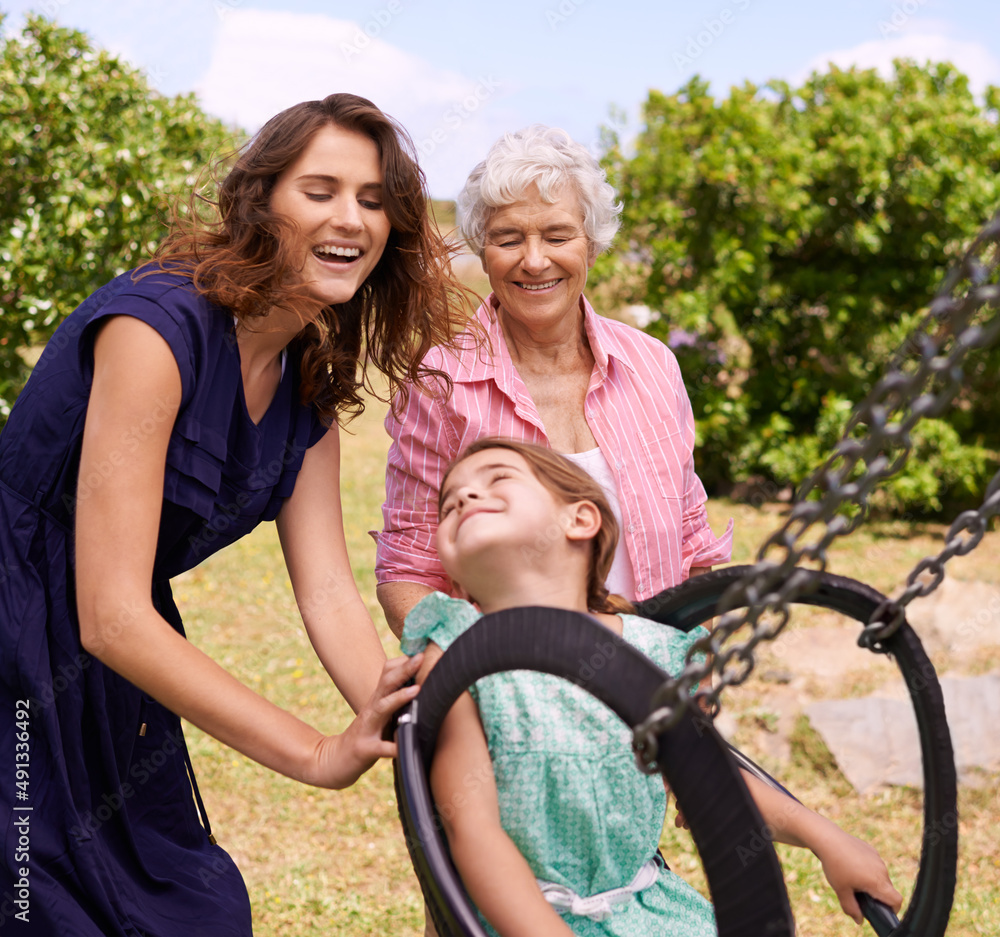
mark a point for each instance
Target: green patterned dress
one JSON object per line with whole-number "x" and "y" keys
{"x": 570, "y": 795}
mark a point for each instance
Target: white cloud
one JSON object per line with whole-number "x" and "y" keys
{"x": 266, "y": 61}
{"x": 971, "y": 58}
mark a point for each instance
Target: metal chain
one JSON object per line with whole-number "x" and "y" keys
{"x": 889, "y": 615}
{"x": 922, "y": 379}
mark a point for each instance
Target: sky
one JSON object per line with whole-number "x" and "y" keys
{"x": 457, "y": 73}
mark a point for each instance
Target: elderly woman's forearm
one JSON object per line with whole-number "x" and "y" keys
{"x": 397, "y": 599}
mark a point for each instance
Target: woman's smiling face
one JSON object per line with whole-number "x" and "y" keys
{"x": 537, "y": 254}
{"x": 333, "y": 195}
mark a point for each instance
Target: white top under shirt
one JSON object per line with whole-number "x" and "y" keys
{"x": 621, "y": 578}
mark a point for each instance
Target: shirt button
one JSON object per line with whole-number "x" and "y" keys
{"x": 619, "y": 465}
{"x": 638, "y": 587}
{"x": 631, "y": 528}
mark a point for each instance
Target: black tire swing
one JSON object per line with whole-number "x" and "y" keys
{"x": 696, "y": 601}
{"x": 749, "y": 898}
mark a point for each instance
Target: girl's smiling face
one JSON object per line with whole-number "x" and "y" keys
{"x": 333, "y": 195}
{"x": 493, "y": 502}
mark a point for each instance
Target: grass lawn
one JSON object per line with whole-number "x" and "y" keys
{"x": 326, "y": 862}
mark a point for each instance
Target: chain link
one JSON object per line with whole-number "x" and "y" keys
{"x": 888, "y": 616}
{"x": 922, "y": 379}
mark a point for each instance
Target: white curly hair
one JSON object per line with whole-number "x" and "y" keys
{"x": 548, "y": 158}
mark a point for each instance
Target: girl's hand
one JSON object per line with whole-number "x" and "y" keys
{"x": 851, "y": 865}
{"x": 679, "y": 821}
{"x": 339, "y": 760}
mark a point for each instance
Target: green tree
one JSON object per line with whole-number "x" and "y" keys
{"x": 790, "y": 238}
{"x": 90, "y": 160}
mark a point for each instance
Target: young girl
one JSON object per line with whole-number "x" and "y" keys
{"x": 556, "y": 799}
{"x": 176, "y": 409}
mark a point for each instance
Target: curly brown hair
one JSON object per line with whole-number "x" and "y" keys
{"x": 569, "y": 483}
{"x": 239, "y": 258}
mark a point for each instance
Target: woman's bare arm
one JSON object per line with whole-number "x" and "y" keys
{"x": 136, "y": 379}
{"x": 311, "y": 528}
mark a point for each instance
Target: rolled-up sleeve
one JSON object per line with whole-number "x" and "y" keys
{"x": 699, "y": 545}
{"x": 420, "y": 452}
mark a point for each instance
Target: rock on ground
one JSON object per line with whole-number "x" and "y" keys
{"x": 874, "y": 738}
{"x": 958, "y": 617}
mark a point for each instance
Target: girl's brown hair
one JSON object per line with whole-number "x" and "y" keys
{"x": 570, "y": 483}
{"x": 240, "y": 259}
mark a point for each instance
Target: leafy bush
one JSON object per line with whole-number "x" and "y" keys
{"x": 938, "y": 462}
{"x": 790, "y": 239}
{"x": 90, "y": 159}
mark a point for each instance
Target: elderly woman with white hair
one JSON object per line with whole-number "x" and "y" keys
{"x": 538, "y": 210}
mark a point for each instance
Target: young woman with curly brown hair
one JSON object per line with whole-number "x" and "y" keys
{"x": 178, "y": 407}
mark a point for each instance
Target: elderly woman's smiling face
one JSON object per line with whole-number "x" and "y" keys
{"x": 536, "y": 255}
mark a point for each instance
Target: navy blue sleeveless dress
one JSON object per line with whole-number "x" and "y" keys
{"x": 103, "y": 833}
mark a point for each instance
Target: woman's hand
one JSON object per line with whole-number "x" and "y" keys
{"x": 851, "y": 865}
{"x": 339, "y": 760}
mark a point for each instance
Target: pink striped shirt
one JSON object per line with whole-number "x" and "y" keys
{"x": 637, "y": 409}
